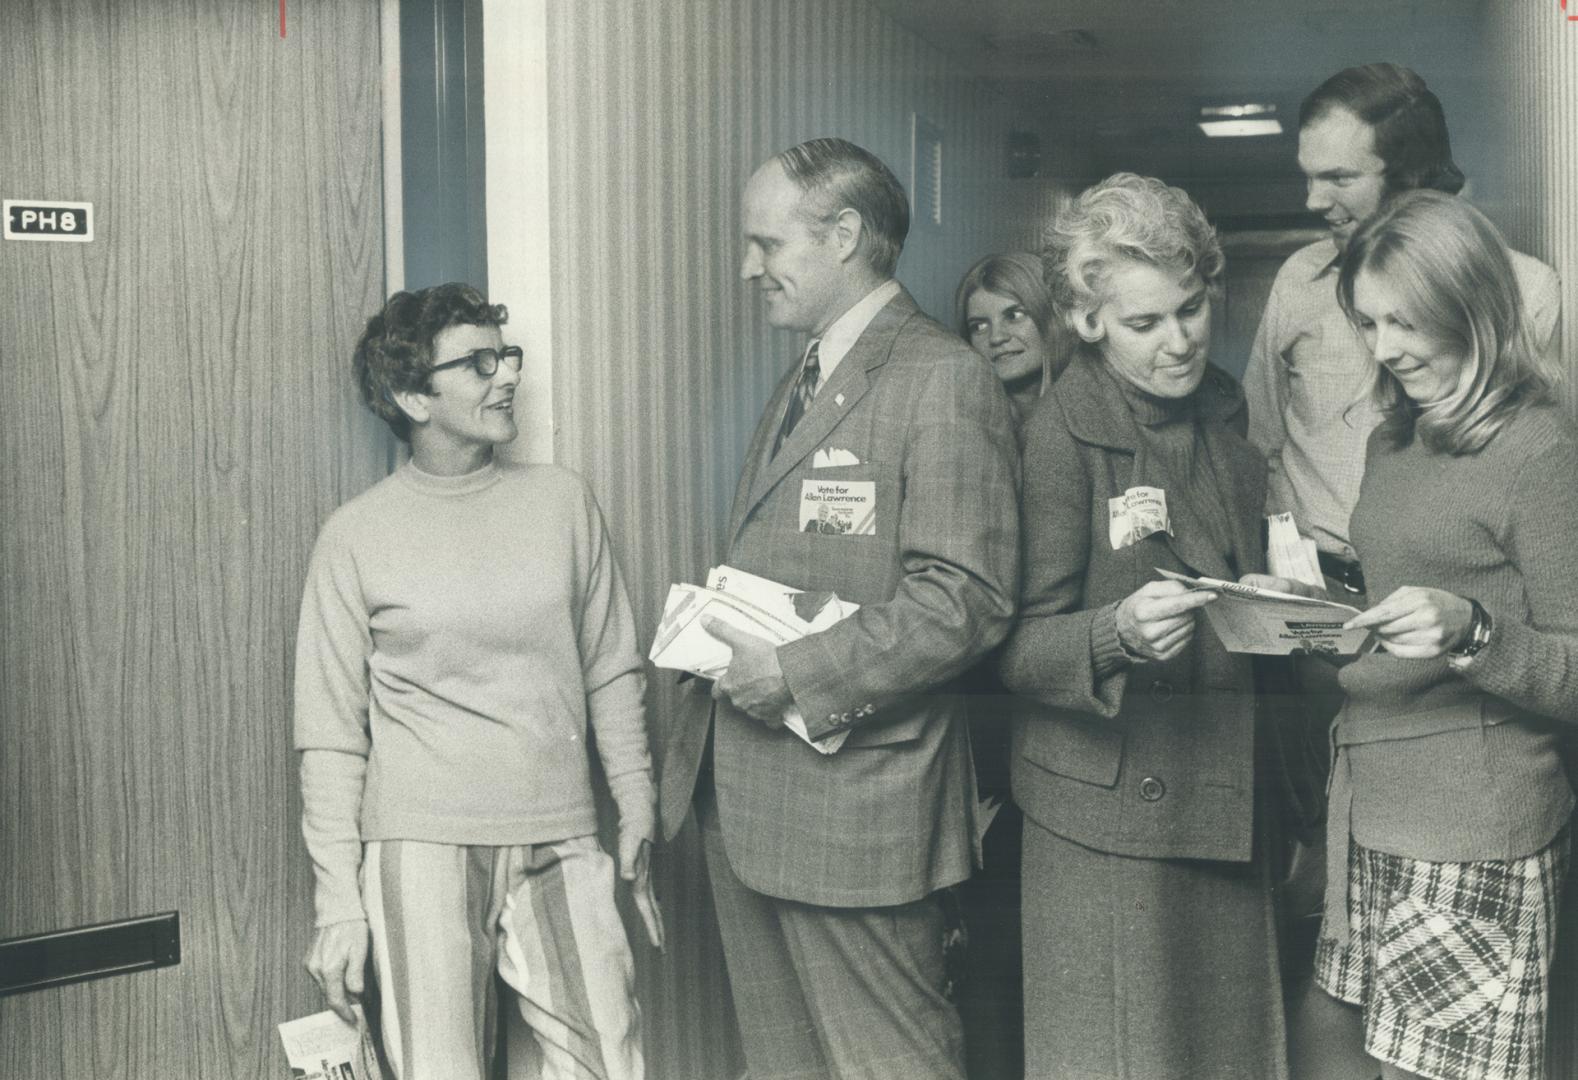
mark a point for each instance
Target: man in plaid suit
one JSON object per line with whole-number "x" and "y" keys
{"x": 824, "y": 868}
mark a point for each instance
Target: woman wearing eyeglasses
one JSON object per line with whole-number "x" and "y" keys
{"x": 464, "y": 624}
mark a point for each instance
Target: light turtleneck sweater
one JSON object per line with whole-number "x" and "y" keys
{"x": 458, "y": 635}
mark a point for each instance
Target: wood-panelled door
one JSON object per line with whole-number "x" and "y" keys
{"x": 176, "y": 420}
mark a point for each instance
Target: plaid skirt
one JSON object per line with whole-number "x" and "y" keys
{"x": 1450, "y": 962}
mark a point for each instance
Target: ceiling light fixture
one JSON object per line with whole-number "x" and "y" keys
{"x": 1229, "y": 121}
{"x": 1237, "y": 111}
{"x": 1219, "y": 129}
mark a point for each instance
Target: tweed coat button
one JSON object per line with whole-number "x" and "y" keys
{"x": 1152, "y": 789}
{"x": 1162, "y": 690}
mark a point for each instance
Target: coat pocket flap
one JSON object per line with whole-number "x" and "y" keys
{"x": 1091, "y": 752}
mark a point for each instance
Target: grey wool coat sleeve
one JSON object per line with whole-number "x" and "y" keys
{"x": 1051, "y": 656}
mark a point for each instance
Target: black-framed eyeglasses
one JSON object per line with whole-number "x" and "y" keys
{"x": 486, "y": 361}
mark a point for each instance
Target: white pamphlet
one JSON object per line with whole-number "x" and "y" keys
{"x": 324, "y": 1047}
{"x": 1250, "y": 619}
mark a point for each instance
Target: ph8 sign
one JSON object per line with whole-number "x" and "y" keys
{"x": 35, "y": 219}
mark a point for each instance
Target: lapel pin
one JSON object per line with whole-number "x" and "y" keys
{"x": 838, "y": 399}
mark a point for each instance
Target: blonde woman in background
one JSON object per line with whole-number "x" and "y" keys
{"x": 1004, "y": 310}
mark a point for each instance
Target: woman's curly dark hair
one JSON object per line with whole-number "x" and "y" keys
{"x": 396, "y": 350}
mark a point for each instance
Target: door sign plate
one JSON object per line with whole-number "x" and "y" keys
{"x": 36, "y": 219}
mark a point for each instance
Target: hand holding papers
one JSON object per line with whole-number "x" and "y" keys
{"x": 754, "y": 683}
{"x": 1250, "y": 619}
{"x": 759, "y": 607}
{"x": 1156, "y": 621}
{"x": 1417, "y": 623}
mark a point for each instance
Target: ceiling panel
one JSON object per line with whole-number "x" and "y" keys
{"x": 1121, "y": 82}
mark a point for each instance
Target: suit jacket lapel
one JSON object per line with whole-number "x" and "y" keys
{"x": 849, "y": 383}
{"x": 1094, "y": 406}
{"x": 756, "y": 455}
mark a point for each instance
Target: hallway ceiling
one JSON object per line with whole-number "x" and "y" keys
{"x": 1122, "y": 81}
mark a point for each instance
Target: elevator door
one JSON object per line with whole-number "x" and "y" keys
{"x": 176, "y": 420}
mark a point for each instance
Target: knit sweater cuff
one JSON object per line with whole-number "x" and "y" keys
{"x": 1107, "y": 654}
{"x": 331, "y": 797}
{"x": 636, "y": 798}
{"x": 1501, "y": 667}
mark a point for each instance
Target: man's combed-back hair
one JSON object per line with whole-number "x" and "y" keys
{"x": 1406, "y": 118}
{"x": 836, "y": 175}
{"x": 1125, "y": 217}
{"x": 1453, "y": 274}
{"x": 396, "y": 349}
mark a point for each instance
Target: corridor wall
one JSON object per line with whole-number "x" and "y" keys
{"x": 1531, "y": 53}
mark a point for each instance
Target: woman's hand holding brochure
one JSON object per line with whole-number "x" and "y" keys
{"x": 1252, "y": 618}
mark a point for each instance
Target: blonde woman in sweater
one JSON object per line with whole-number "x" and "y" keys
{"x": 1449, "y": 804}
{"x": 463, "y": 626}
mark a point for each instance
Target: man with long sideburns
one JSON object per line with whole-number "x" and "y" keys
{"x": 824, "y": 868}
{"x": 1364, "y": 134}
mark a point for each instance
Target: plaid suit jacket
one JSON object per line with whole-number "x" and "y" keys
{"x": 891, "y": 816}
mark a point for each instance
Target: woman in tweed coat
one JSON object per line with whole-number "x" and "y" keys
{"x": 1149, "y": 940}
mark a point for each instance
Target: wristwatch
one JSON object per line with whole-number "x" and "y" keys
{"x": 1479, "y": 631}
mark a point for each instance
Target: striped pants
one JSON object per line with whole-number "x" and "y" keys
{"x": 445, "y": 918}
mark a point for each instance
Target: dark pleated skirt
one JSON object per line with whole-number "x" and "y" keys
{"x": 1148, "y": 969}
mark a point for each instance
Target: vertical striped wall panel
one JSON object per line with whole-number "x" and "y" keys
{"x": 659, "y": 112}
{"x": 1532, "y": 51}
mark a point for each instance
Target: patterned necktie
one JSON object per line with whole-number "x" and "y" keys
{"x": 804, "y": 391}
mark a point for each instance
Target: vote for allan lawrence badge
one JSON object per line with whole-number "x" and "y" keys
{"x": 1136, "y": 514}
{"x": 839, "y": 507}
